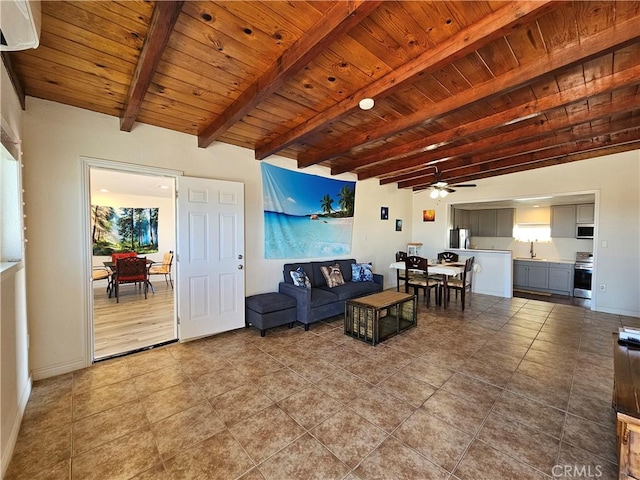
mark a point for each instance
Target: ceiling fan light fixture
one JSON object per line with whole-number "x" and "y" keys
{"x": 443, "y": 193}
{"x": 366, "y": 103}
{"x": 434, "y": 193}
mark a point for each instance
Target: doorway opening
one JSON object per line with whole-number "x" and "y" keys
{"x": 131, "y": 212}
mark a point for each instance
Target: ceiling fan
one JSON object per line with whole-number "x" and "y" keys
{"x": 441, "y": 189}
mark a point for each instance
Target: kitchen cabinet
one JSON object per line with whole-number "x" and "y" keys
{"x": 460, "y": 218}
{"x": 561, "y": 277}
{"x": 487, "y": 223}
{"x": 504, "y": 222}
{"x": 585, "y": 213}
{"x": 531, "y": 274}
{"x": 474, "y": 222}
{"x": 563, "y": 221}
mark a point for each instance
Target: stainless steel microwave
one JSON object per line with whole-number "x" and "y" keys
{"x": 584, "y": 230}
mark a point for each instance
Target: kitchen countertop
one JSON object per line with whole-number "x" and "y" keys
{"x": 550, "y": 260}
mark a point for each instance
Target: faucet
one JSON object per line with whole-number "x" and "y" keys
{"x": 533, "y": 255}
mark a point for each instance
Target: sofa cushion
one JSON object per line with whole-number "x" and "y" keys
{"x": 322, "y": 296}
{"x": 352, "y": 289}
{"x": 332, "y": 275}
{"x": 361, "y": 272}
{"x": 318, "y": 280}
{"x": 300, "y": 278}
{"x": 288, "y": 267}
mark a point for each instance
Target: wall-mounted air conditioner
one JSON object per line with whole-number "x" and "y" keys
{"x": 19, "y": 24}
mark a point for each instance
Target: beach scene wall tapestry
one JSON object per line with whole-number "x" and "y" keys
{"x": 306, "y": 216}
{"x": 116, "y": 229}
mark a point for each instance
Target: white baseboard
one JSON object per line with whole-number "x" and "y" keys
{"x": 617, "y": 311}
{"x": 59, "y": 369}
{"x": 15, "y": 429}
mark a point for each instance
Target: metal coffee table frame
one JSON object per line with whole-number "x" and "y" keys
{"x": 376, "y": 317}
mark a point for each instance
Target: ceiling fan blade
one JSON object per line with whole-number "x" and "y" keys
{"x": 464, "y": 185}
{"x": 450, "y": 190}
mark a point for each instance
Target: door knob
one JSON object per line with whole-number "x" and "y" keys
{"x": 239, "y": 267}
{"x": 239, "y": 257}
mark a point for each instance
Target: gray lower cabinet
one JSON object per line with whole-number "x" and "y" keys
{"x": 541, "y": 276}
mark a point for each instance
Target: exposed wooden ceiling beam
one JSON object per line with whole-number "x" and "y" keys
{"x": 430, "y": 149}
{"x": 499, "y": 23}
{"x": 165, "y": 15}
{"x": 517, "y": 139}
{"x": 566, "y": 143}
{"x": 13, "y": 77}
{"x": 596, "y": 45}
{"x": 341, "y": 18}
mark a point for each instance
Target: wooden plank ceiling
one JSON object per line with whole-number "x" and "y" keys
{"x": 463, "y": 90}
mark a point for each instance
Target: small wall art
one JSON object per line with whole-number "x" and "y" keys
{"x": 428, "y": 215}
{"x": 398, "y": 225}
{"x": 384, "y": 213}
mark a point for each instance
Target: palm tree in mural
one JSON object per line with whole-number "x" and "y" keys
{"x": 346, "y": 200}
{"x": 326, "y": 203}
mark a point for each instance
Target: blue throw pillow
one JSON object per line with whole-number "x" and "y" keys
{"x": 300, "y": 278}
{"x": 361, "y": 272}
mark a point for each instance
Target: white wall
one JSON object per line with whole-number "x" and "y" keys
{"x": 57, "y": 136}
{"x": 616, "y": 181}
{"x": 15, "y": 384}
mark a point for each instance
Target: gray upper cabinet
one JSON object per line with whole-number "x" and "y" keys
{"x": 460, "y": 218}
{"x": 585, "y": 213}
{"x": 563, "y": 221}
{"x": 504, "y": 222}
{"x": 487, "y": 223}
{"x": 474, "y": 222}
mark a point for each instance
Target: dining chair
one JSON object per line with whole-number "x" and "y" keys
{"x": 462, "y": 284}
{"x": 163, "y": 268}
{"x": 101, "y": 273}
{"x": 419, "y": 278}
{"x": 401, "y": 273}
{"x": 131, "y": 270}
{"x": 448, "y": 256}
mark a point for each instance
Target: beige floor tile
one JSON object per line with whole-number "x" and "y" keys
{"x": 542, "y": 417}
{"x": 472, "y": 389}
{"x": 51, "y": 389}
{"x": 145, "y": 362}
{"x": 573, "y": 458}
{"x": 433, "y": 438}
{"x": 407, "y": 389}
{"x": 266, "y": 432}
{"x": 592, "y": 408}
{"x": 543, "y": 391}
{"x": 95, "y": 430}
{"x": 221, "y": 381}
{"x": 218, "y": 457}
{"x": 165, "y": 403}
{"x": 343, "y": 386}
{"x": 39, "y": 417}
{"x": 39, "y": 451}
{"x": 371, "y": 370}
{"x": 447, "y": 407}
{"x": 314, "y": 369}
{"x": 240, "y": 403}
{"x": 393, "y": 460}
{"x": 156, "y": 380}
{"x": 521, "y": 442}
{"x": 119, "y": 459}
{"x": 310, "y": 406}
{"x": 597, "y": 439}
{"x": 425, "y": 371}
{"x": 381, "y": 408}
{"x": 349, "y": 436}
{"x": 100, "y": 375}
{"x": 305, "y": 458}
{"x": 482, "y": 462}
{"x": 186, "y": 428}
{"x": 281, "y": 384}
{"x": 196, "y": 365}
{"x": 157, "y": 472}
{"x": 100, "y": 399}
{"x": 253, "y": 474}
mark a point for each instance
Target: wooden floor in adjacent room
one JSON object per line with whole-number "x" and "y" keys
{"x": 133, "y": 323}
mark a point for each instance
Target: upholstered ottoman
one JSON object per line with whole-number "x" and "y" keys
{"x": 268, "y": 310}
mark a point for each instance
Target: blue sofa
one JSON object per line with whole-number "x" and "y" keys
{"x": 320, "y": 301}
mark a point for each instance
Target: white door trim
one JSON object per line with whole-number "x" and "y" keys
{"x": 86, "y": 164}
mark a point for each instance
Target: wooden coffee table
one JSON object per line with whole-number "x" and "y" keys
{"x": 376, "y": 317}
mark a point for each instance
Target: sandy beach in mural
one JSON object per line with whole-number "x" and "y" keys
{"x": 290, "y": 236}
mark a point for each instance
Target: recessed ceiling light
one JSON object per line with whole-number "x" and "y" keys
{"x": 366, "y": 103}
{"x": 163, "y": 187}
{"x": 104, "y": 190}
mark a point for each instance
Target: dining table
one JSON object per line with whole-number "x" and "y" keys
{"x": 447, "y": 269}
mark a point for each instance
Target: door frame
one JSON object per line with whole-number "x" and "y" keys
{"x": 86, "y": 164}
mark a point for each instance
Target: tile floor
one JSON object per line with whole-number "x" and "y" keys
{"x": 509, "y": 389}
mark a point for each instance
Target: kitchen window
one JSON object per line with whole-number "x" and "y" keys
{"x": 532, "y": 233}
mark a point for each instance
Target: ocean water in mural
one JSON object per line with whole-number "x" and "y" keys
{"x": 305, "y": 215}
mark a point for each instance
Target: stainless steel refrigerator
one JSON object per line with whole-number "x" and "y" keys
{"x": 459, "y": 238}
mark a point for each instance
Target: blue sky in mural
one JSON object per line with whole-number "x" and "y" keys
{"x": 296, "y": 193}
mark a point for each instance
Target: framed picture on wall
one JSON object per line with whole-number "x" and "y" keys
{"x": 398, "y": 225}
{"x": 384, "y": 213}
{"x": 428, "y": 215}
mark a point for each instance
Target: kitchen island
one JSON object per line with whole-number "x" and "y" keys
{"x": 494, "y": 273}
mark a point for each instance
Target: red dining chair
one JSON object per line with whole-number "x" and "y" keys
{"x": 131, "y": 270}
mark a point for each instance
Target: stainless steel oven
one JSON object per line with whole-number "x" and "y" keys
{"x": 583, "y": 274}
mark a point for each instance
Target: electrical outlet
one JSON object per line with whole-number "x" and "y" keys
{"x": 603, "y": 287}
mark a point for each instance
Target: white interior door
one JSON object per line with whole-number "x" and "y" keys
{"x": 210, "y": 264}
